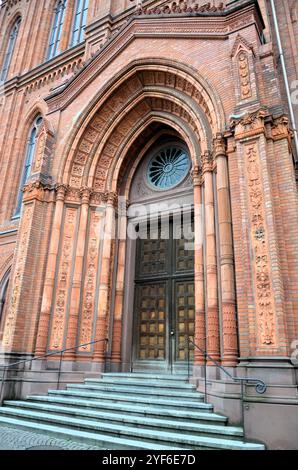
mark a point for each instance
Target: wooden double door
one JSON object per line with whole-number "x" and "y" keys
{"x": 164, "y": 294}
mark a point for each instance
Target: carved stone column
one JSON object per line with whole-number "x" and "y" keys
{"x": 43, "y": 326}
{"x": 200, "y": 327}
{"x": 213, "y": 337}
{"x": 119, "y": 295}
{"x": 228, "y": 296}
{"x": 72, "y": 332}
{"x": 105, "y": 275}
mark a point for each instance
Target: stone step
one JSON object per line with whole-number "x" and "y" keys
{"x": 139, "y": 375}
{"x": 91, "y": 438}
{"x": 194, "y": 405}
{"x": 150, "y": 367}
{"x": 142, "y": 383}
{"x": 161, "y": 412}
{"x": 137, "y": 391}
{"x": 128, "y": 432}
{"x": 137, "y": 421}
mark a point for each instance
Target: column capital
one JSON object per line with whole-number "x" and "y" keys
{"x": 85, "y": 194}
{"x": 35, "y": 190}
{"x": 280, "y": 129}
{"x": 207, "y": 161}
{"x": 196, "y": 174}
{"x": 250, "y": 124}
{"x": 61, "y": 190}
{"x": 110, "y": 198}
{"x": 219, "y": 146}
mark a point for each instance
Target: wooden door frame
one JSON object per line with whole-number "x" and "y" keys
{"x": 129, "y": 321}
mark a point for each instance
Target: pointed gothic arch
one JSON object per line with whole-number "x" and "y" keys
{"x": 146, "y": 97}
{"x": 164, "y": 77}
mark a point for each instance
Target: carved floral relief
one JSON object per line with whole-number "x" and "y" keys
{"x": 21, "y": 254}
{"x": 265, "y": 312}
{"x": 89, "y": 288}
{"x": 244, "y": 75}
{"x": 63, "y": 280}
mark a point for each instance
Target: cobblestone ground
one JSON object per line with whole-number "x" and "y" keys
{"x": 17, "y": 439}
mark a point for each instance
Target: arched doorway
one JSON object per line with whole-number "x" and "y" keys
{"x": 159, "y": 295}
{"x": 91, "y": 293}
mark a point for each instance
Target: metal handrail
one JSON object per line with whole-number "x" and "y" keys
{"x": 260, "y": 385}
{"x": 37, "y": 358}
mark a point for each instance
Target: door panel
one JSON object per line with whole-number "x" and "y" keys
{"x": 152, "y": 326}
{"x": 183, "y": 252}
{"x": 152, "y": 258}
{"x": 164, "y": 296}
{"x": 184, "y": 318}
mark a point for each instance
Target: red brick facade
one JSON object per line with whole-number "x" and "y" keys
{"x": 209, "y": 71}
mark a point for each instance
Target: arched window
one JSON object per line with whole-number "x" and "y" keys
{"x": 55, "y": 36}
{"x": 79, "y": 23}
{"x": 10, "y": 48}
{"x": 31, "y": 144}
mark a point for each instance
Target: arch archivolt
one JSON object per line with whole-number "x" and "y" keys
{"x": 129, "y": 125}
{"x": 6, "y": 267}
{"x": 93, "y": 168}
{"x": 141, "y": 91}
{"x": 182, "y": 129}
{"x": 119, "y": 169}
{"x": 5, "y": 271}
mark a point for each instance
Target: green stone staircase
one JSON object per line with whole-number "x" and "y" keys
{"x": 128, "y": 411}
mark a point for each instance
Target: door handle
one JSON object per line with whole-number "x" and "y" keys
{"x": 172, "y": 333}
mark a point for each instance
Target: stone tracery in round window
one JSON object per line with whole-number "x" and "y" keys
{"x": 168, "y": 168}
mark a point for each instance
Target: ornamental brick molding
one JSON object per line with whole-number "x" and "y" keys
{"x": 6, "y": 260}
{"x": 265, "y": 309}
{"x": 261, "y": 121}
{"x": 90, "y": 281}
{"x": 124, "y": 109}
{"x": 64, "y": 71}
{"x": 182, "y": 7}
{"x": 280, "y": 130}
{"x": 36, "y": 190}
{"x": 20, "y": 256}
{"x": 244, "y": 75}
{"x": 11, "y": 4}
{"x": 252, "y": 124}
{"x": 243, "y": 63}
{"x": 210, "y": 22}
{"x": 241, "y": 44}
{"x": 63, "y": 282}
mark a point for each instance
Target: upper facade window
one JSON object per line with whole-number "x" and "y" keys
{"x": 79, "y": 23}
{"x": 55, "y": 36}
{"x": 30, "y": 150}
{"x": 10, "y": 48}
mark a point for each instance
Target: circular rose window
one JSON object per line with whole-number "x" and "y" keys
{"x": 168, "y": 168}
